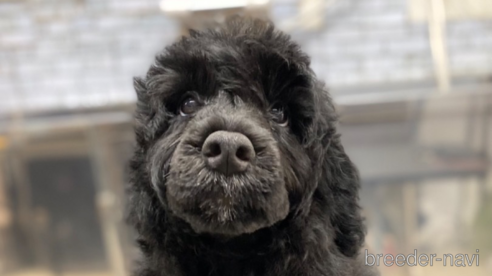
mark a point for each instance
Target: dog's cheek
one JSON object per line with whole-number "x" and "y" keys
{"x": 182, "y": 179}
{"x": 271, "y": 172}
{"x": 299, "y": 173}
{"x": 279, "y": 206}
{"x": 159, "y": 156}
{"x": 184, "y": 169}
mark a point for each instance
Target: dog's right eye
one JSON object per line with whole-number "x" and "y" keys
{"x": 189, "y": 106}
{"x": 279, "y": 115}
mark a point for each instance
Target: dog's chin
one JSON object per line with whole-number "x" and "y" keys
{"x": 232, "y": 228}
{"x": 224, "y": 210}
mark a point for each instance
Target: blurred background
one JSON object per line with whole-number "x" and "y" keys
{"x": 412, "y": 80}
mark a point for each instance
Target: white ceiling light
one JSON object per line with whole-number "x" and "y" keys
{"x": 178, "y": 6}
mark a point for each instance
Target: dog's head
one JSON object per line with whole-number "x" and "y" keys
{"x": 234, "y": 130}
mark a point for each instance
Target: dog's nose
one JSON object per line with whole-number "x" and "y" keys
{"x": 228, "y": 152}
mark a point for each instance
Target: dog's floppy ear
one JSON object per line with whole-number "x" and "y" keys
{"x": 343, "y": 180}
{"x": 143, "y": 211}
{"x": 150, "y": 115}
{"x": 142, "y": 112}
{"x": 339, "y": 185}
{"x": 143, "y": 98}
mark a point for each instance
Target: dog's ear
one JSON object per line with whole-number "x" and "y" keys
{"x": 140, "y": 88}
{"x": 143, "y": 206}
{"x": 343, "y": 180}
{"x": 142, "y": 112}
{"x": 339, "y": 185}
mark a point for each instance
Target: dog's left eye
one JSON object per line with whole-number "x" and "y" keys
{"x": 189, "y": 106}
{"x": 279, "y": 115}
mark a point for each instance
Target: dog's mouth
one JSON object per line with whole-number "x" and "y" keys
{"x": 228, "y": 205}
{"x": 227, "y": 199}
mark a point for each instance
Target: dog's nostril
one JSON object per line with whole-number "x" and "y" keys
{"x": 228, "y": 152}
{"x": 212, "y": 150}
{"x": 244, "y": 153}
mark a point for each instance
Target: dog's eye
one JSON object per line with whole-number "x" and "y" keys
{"x": 279, "y": 115}
{"x": 189, "y": 106}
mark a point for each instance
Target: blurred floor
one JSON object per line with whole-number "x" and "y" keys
{"x": 40, "y": 272}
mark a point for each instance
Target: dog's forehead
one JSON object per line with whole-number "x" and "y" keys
{"x": 261, "y": 69}
{"x": 231, "y": 53}
{"x": 218, "y": 49}
{"x": 237, "y": 68}
{"x": 251, "y": 64}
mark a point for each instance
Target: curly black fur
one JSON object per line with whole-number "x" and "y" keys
{"x": 294, "y": 212}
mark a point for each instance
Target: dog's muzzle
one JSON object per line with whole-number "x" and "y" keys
{"x": 225, "y": 175}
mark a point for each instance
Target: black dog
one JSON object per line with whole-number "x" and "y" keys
{"x": 239, "y": 168}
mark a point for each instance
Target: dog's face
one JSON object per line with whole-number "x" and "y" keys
{"x": 224, "y": 123}
{"x": 226, "y": 174}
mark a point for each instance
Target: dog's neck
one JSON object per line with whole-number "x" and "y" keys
{"x": 247, "y": 254}
{"x": 282, "y": 249}
{"x": 238, "y": 247}
{"x": 287, "y": 248}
